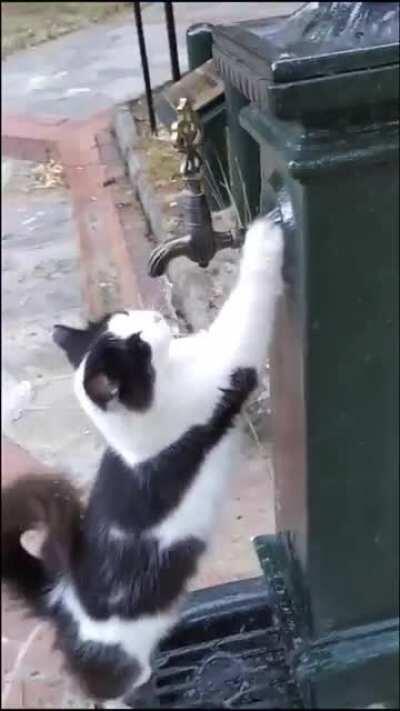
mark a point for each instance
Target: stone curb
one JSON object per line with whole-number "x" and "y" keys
{"x": 134, "y": 156}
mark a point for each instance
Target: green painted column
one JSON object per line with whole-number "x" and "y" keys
{"x": 334, "y": 370}
{"x": 199, "y": 44}
{"x": 320, "y": 100}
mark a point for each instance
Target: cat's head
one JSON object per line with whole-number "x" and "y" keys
{"x": 118, "y": 359}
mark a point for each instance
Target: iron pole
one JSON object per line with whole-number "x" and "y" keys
{"x": 173, "y": 49}
{"x": 145, "y": 66}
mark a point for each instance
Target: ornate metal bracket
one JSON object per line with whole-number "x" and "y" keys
{"x": 202, "y": 242}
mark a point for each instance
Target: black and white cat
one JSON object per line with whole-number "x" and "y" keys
{"x": 110, "y": 576}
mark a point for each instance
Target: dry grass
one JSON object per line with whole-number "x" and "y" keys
{"x": 163, "y": 161}
{"x": 27, "y": 24}
{"x": 49, "y": 175}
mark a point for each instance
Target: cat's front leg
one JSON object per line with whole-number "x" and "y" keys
{"x": 241, "y": 333}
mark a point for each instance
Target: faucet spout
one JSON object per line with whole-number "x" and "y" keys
{"x": 201, "y": 242}
{"x": 187, "y": 247}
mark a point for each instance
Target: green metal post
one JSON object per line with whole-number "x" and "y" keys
{"x": 199, "y": 44}
{"x": 318, "y": 93}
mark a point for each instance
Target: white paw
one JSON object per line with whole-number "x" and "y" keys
{"x": 263, "y": 247}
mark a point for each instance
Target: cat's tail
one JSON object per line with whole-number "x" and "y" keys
{"x": 40, "y": 530}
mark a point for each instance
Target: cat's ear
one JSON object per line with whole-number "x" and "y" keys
{"x": 73, "y": 341}
{"x": 32, "y": 541}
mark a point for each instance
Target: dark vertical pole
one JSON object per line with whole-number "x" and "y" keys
{"x": 173, "y": 50}
{"x": 145, "y": 66}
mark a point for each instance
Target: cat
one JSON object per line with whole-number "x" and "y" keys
{"x": 111, "y": 575}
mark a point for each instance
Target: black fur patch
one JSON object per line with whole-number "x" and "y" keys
{"x": 75, "y": 342}
{"x": 126, "y": 365}
{"x": 31, "y": 501}
{"x": 136, "y": 499}
{"x": 140, "y": 497}
{"x": 114, "y": 366}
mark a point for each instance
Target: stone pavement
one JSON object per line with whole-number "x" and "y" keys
{"x": 40, "y": 287}
{"x": 55, "y": 245}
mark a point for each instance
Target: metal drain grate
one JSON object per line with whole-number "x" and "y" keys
{"x": 226, "y": 654}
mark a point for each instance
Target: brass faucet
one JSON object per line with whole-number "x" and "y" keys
{"x": 202, "y": 242}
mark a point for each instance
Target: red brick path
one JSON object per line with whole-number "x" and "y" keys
{"x": 91, "y": 164}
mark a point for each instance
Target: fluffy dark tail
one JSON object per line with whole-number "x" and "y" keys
{"x": 42, "y": 502}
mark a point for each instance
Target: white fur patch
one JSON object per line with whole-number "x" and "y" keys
{"x": 138, "y": 638}
{"x": 32, "y": 541}
{"x": 201, "y": 505}
{"x": 125, "y": 325}
{"x": 116, "y": 533}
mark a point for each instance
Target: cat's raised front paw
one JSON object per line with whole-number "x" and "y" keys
{"x": 263, "y": 244}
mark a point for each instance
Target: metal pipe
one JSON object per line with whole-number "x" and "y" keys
{"x": 145, "y": 66}
{"x": 173, "y": 49}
